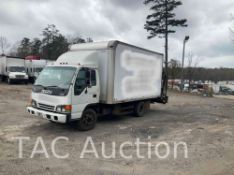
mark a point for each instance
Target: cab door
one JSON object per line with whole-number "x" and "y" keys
{"x": 85, "y": 91}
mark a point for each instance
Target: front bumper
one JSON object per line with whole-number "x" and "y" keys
{"x": 18, "y": 79}
{"x": 55, "y": 117}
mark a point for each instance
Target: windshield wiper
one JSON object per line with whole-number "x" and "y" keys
{"x": 53, "y": 87}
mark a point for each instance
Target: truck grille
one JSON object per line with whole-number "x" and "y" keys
{"x": 19, "y": 76}
{"x": 45, "y": 107}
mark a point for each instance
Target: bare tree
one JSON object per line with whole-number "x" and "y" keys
{"x": 4, "y": 44}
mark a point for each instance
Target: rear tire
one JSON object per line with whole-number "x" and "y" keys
{"x": 88, "y": 120}
{"x": 139, "y": 109}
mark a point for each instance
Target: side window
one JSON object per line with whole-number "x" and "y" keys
{"x": 80, "y": 83}
{"x": 93, "y": 78}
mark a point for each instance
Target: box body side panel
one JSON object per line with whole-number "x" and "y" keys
{"x": 137, "y": 74}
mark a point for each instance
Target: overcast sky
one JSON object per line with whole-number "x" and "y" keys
{"x": 209, "y": 24}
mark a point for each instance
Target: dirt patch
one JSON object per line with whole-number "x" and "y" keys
{"x": 205, "y": 124}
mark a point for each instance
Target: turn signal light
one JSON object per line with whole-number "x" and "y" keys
{"x": 68, "y": 107}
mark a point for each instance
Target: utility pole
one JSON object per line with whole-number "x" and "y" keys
{"x": 166, "y": 47}
{"x": 186, "y": 38}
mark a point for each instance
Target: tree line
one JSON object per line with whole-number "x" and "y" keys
{"x": 203, "y": 74}
{"x": 50, "y": 46}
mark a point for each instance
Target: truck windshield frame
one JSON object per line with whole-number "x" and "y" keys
{"x": 56, "y": 77}
{"x": 16, "y": 69}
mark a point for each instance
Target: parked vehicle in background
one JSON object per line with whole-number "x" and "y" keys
{"x": 98, "y": 78}
{"x": 226, "y": 90}
{"x": 12, "y": 69}
{"x": 34, "y": 67}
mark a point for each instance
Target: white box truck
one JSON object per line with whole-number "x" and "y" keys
{"x": 99, "y": 78}
{"x": 12, "y": 69}
{"x": 34, "y": 67}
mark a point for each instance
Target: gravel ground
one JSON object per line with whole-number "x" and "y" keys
{"x": 206, "y": 125}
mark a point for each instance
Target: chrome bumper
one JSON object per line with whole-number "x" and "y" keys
{"x": 56, "y": 117}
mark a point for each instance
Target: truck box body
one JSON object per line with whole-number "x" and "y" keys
{"x": 33, "y": 67}
{"x": 127, "y": 73}
{"x": 7, "y": 61}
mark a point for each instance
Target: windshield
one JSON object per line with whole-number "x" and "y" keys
{"x": 58, "y": 77}
{"x": 16, "y": 69}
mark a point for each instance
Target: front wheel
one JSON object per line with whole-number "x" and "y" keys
{"x": 88, "y": 120}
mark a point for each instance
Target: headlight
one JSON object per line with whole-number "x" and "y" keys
{"x": 33, "y": 103}
{"x": 59, "y": 109}
{"x": 64, "y": 108}
{"x": 12, "y": 76}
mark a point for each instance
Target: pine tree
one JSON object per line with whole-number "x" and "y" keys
{"x": 36, "y": 47}
{"x": 24, "y": 48}
{"x": 162, "y": 21}
{"x": 53, "y": 43}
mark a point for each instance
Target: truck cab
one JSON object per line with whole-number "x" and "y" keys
{"x": 62, "y": 92}
{"x": 34, "y": 67}
{"x": 13, "y": 69}
{"x": 16, "y": 73}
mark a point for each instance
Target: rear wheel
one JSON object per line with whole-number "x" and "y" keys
{"x": 88, "y": 120}
{"x": 139, "y": 109}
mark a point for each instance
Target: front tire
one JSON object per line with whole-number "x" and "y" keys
{"x": 88, "y": 120}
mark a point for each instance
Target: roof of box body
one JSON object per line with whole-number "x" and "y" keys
{"x": 104, "y": 45}
{"x": 7, "y": 56}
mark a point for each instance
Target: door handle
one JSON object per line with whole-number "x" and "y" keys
{"x": 94, "y": 95}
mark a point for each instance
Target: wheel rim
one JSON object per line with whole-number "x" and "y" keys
{"x": 88, "y": 119}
